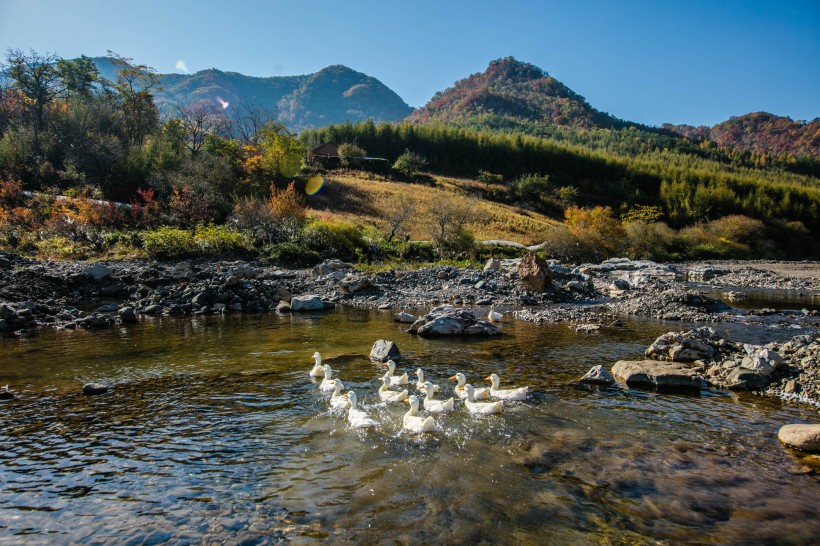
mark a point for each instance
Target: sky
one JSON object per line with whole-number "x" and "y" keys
{"x": 696, "y": 62}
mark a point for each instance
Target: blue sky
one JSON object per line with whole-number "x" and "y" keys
{"x": 696, "y": 62}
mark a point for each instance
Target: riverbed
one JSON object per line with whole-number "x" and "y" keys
{"x": 213, "y": 429}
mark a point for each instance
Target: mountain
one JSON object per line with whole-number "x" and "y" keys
{"x": 333, "y": 95}
{"x": 759, "y": 132}
{"x": 512, "y": 95}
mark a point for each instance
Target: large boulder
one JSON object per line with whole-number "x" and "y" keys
{"x": 384, "y": 350}
{"x": 534, "y": 273}
{"x": 657, "y": 375}
{"x": 802, "y": 437}
{"x": 449, "y": 321}
{"x": 306, "y": 303}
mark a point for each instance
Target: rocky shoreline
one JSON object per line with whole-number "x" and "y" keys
{"x": 70, "y": 295}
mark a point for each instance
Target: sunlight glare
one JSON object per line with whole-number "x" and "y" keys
{"x": 314, "y": 184}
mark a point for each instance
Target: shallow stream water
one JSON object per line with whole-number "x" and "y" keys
{"x": 213, "y": 431}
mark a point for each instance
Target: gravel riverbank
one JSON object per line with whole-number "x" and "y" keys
{"x": 69, "y": 295}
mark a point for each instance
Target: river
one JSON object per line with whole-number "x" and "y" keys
{"x": 213, "y": 429}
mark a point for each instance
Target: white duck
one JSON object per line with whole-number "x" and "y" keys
{"x": 505, "y": 394}
{"x": 483, "y": 408}
{"x": 480, "y": 394}
{"x": 318, "y": 370}
{"x": 395, "y": 380}
{"x": 356, "y": 417}
{"x": 327, "y": 383}
{"x": 391, "y": 396}
{"x": 413, "y": 422}
{"x": 493, "y": 315}
{"x": 421, "y": 384}
{"x": 436, "y": 406}
{"x": 337, "y": 399}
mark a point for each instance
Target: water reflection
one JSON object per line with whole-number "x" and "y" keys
{"x": 213, "y": 427}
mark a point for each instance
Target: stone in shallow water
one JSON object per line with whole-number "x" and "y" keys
{"x": 306, "y": 303}
{"x": 802, "y": 437}
{"x": 654, "y": 374}
{"x": 598, "y": 375}
{"x": 384, "y": 350}
{"x": 92, "y": 389}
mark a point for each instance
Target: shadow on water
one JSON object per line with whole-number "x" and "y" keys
{"x": 214, "y": 428}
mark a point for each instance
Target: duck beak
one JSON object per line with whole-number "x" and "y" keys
{"x": 346, "y": 395}
{"x": 454, "y": 378}
{"x": 406, "y": 400}
{"x": 488, "y": 378}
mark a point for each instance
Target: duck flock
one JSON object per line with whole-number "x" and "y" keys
{"x": 412, "y": 421}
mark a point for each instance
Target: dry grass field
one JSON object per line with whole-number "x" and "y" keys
{"x": 366, "y": 199}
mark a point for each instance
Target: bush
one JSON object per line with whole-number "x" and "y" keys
{"x": 650, "y": 241}
{"x": 489, "y": 178}
{"x": 342, "y": 240}
{"x": 351, "y": 156}
{"x": 292, "y": 254}
{"x": 530, "y": 188}
{"x": 213, "y": 241}
{"x": 165, "y": 243}
{"x": 409, "y": 164}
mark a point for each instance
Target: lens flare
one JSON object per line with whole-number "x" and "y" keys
{"x": 314, "y": 184}
{"x": 181, "y": 66}
{"x": 223, "y": 103}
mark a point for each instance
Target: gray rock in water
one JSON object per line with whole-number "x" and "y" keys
{"x": 598, "y": 375}
{"x": 97, "y": 272}
{"x": 534, "y": 273}
{"x": 306, "y": 303}
{"x": 2, "y": 324}
{"x": 802, "y": 437}
{"x": 384, "y": 350}
{"x": 93, "y": 389}
{"x": 449, "y": 321}
{"x": 657, "y": 375}
{"x": 127, "y": 315}
{"x": 283, "y": 307}
{"x": 405, "y": 318}
{"x": 6, "y": 394}
{"x": 683, "y": 346}
{"x": 200, "y": 299}
{"x": 742, "y": 379}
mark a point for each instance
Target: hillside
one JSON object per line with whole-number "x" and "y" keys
{"x": 512, "y": 95}
{"x": 759, "y": 132}
{"x": 333, "y": 95}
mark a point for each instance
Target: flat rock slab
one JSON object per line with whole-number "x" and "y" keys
{"x": 658, "y": 375}
{"x": 306, "y": 303}
{"x": 802, "y": 437}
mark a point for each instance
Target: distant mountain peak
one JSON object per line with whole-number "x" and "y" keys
{"x": 512, "y": 95}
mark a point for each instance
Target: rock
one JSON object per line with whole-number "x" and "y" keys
{"x": 587, "y": 328}
{"x": 404, "y": 318}
{"x": 705, "y": 272}
{"x": 443, "y": 275}
{"x": 802, "y": 437}
{"x": 97, "y": 272}
{"x": 352, "y": 283}
{"x": 108, "y": 308}
{"x": 577, "y": 286}
{"x": 414, "y": 328}
{"x": 683, "y": 346}
{"x": 492, "y": 265}
{"x": 448, "y": 321}
{"x": 127, "y": 315}
{"x": 306, "y": 303}
{"x": 534, "y": 273}
{"x": 154, "y": 309}
{"x": 384, "y": 350}
{"x": 6, "y": 394}
{"x": 3, "y": 324}
{"x": 620, "y": 284}
{"x": 283, "y": 307}
{"x": 741, "y": 379}
{"x": 93, "y": 389}
{"x": 598, "y": 375}
{"x": 657, "y": 375}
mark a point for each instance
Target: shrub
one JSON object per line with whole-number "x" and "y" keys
{"x": 489, "y": 178}
{"x": 568, "y": 194}
{"x": 334, "y": 239}
{"x": 61, "y": 248}
{"x": 290, "y": 254}
{"x": 168, "y": 243}
{"x": 351, "y": 156}
{"x": 218, "y": 241}
{"x": 530, "y": 188}
{"x": 409, "y": 164}
{"x": 597, "y": 229}
{"x": 653, "y": 241}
